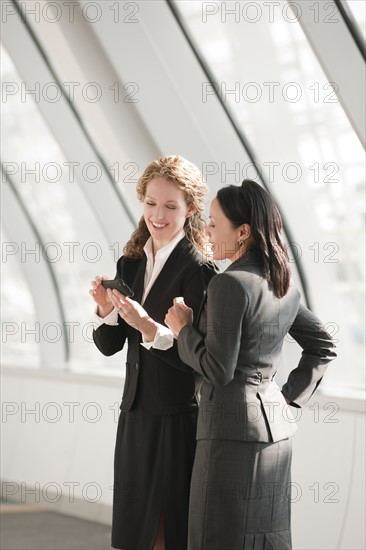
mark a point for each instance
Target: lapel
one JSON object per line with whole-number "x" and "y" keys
{"x": 133, "y": 272}
{"x": 138, "y": 286}
{"x": 170, "y": 269}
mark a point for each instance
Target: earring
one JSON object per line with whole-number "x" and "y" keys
{"x": 240, "y": 243}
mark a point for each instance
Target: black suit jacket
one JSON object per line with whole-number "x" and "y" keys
{"x": 151, "y": 383}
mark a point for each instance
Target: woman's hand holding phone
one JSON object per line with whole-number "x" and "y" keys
{"x": 100, "y": 296}
{"x": 120, "y": 285}
{"x": 104, "y": 292}
{"x": 133, "y": 313}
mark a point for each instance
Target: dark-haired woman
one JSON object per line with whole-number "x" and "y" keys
{"x": 240, "y": 489}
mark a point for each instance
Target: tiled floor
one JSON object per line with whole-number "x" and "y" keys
{"x": 30, "y": 527}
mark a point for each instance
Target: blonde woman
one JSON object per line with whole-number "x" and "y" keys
{"x": 155, "y": 445}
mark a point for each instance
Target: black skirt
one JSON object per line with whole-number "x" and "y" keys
{"x": 152, "y": 473}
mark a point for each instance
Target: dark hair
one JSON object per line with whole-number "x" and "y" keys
{"x": 253, "y": 205}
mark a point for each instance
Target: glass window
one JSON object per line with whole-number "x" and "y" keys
{"x": 72, "y": 241}
{"x": 268, "y": 76}
{"x": 17, "y": 312}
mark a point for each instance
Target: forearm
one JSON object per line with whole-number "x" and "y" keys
{"x": 148, "y": 328}
{"x": 203, "y": 355}
{"x": 215, "y": 355}
{"x": 318, "y": 351}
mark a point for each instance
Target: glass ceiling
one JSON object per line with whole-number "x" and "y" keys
{"x": 72, "y": 243}
{"x": 269, "y": 78}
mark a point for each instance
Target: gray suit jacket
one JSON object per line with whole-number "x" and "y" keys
{"x": 236, "y": 345}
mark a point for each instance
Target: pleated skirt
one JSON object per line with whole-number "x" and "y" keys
{"x": 240, "y": 496}
{"x": 152, "y": 473}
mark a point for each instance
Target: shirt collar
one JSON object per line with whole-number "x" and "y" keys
{"x": 164, "y": 252}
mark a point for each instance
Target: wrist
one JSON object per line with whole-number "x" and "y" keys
{"x": 179, "y": 330}
{"x": 148, "y": 329}
{"x": 103, "y": 311}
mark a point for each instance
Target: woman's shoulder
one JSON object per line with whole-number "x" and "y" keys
{"x": 129, "y": 260}
{"x": 196, "y": 256}
{"x": 228, "y": 278}
{"x": 239, "y": 280}
{"x": 126, "y": 264}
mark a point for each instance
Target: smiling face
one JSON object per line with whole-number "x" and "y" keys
{"x": 165, "y": 211}
{"x": 223, "y": 237}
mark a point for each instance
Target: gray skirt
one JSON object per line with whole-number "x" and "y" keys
{"x": 240, "y": 496}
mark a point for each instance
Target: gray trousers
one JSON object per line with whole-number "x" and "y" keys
{"x": 240, "y": 496}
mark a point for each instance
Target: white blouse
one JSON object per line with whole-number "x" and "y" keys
{"x": 164, "y": 337}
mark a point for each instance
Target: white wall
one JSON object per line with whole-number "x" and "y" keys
{"x": 74, "y": 455}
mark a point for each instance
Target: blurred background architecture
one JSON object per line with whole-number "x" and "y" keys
{"x": 92, "y": 91}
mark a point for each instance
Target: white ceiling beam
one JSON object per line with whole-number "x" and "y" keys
{"x": 338, "y": 55}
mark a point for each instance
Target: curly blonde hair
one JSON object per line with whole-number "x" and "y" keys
{"x": 188, "y": 179}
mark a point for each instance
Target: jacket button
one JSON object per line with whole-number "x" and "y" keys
{"x": 136, "y": 366}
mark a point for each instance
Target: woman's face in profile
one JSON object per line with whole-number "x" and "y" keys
{"x": 165, "y": 210}
{"x": 221, "y": 234}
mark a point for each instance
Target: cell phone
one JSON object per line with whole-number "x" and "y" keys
{"x": 119, "y": 285}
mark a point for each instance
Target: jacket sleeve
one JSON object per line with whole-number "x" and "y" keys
{"x": 110, "y": 339}
{"x": 318, "y": 350}
{"x": 193, "y": 294}
{"x": 215, "y": 355}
